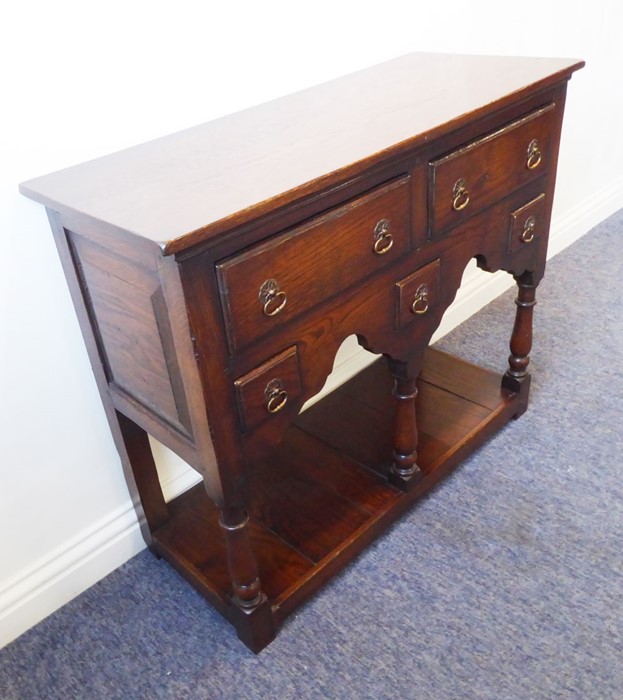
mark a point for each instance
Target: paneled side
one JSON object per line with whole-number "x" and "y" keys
{"x": 131, "y": 324}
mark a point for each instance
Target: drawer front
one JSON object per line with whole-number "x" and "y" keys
{"x": 266, "y": 390}
{"x": 417, "y": 294}
{"x": 527, "y": 224}
{"x": 273, "y": 283}
{"x": 476, "y": 175}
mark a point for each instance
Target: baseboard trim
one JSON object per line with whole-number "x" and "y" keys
{"x": 64, "y": 573}
{"x": 52, "y": 581}
{"x": 572, "y": 225}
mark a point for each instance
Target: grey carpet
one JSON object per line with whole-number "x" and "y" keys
{"x": 505, "y": 583}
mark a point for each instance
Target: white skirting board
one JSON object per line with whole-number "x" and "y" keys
{"x": 49, "y": 583}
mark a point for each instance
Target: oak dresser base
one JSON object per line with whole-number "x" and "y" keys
{"x": 216, "y": 273}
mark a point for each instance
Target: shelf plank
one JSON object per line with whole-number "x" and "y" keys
{"x": 351, "y": 427}
{"x": 303, "y": 512}
{"x": 317, "y": 462}
{"x": 193, "y": 542}
{"x": 462, "y": 378}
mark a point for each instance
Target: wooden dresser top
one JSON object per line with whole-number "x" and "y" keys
{"x": 185, "y": 188}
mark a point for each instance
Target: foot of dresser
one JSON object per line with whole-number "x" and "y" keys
{"x": 404, "y": 482}
{"x": 255, "y": 626}
{"x": 521, "y": 387}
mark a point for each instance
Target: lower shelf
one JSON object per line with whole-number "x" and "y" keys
{"x": 322, "y": 497}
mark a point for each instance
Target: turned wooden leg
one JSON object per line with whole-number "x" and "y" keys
{"x": 252, "y": 613}
{"x": 517, "y": 377}
{"x": 240, "y": 558}
{"x": 404, "y": 471}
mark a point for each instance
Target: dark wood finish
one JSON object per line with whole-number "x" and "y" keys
{"x": 527, "y": 224}
{"x": 316, "y": 506}
{"x": 224, "y": 266}
{"x": 521, "y": 339}
{"x": 490, "y": 167}
{"x": 417, "y": 294}
{"x": 517, "y": 378}
{"x": 307, "y": 280}
{"x": 405, "y": 471}
{"x": 131, "y": 442}
{"x": 241, "y": 562}
{"x": 266, "y": 390}
{"x": 131, "y": 321}
{"x": 280, "y": 565}
{"x": 140, "y": 456}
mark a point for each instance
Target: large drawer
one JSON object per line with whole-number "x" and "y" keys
{"x": 474, "y": 176}
{"x": 276, "y": 281}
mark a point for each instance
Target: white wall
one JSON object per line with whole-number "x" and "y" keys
{"x": 82, "y": 79}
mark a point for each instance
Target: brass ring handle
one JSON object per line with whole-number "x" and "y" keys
{"x": 527, "y": 235}
{"x": 276, "y": 396}
{"x": 272, "y": 298}
{"x": 460, "y": 195}
{"x": 384, "y": 244}
{"x": 383, "y": 239}
{"x": 420, "y": 301}
{"x": 275, "y": 304}
{"x": 534, "y": 155}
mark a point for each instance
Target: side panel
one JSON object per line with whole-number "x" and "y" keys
{"x": 131, "y": 325}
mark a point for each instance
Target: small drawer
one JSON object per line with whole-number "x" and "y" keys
{"x": 527, "y": 224}
{"x": 275, "y": 282}
{"x": 417, "y": 294}
{"x": 266, "y": 390}
{"x": 476, "y": 175}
